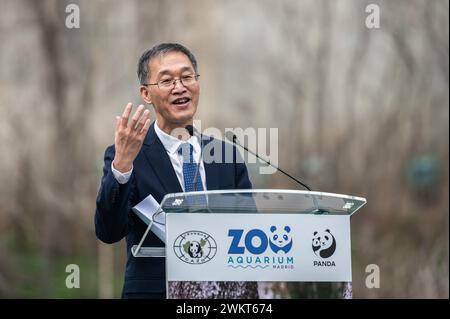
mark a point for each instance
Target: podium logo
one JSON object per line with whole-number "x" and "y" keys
{"x": 257, "y": 249}
{"x": 177, "y": 202}
{"x": 280, "y": 239}
{"x": 195, "y": 247}
{"x": 323, "y": 244}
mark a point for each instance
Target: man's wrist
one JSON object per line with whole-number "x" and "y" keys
{"x": 121, "y": 166}
{"x": 121, "y": 178}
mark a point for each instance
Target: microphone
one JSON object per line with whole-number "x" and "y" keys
{"x": 232, "y": 138}
{"x": 190, "y": 130}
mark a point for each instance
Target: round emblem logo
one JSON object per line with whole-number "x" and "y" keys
{"x": 195, "y": 247}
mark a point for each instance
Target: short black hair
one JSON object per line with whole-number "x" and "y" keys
{"x": 143, "y": 71}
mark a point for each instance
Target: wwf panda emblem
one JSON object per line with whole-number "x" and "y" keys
{"x": 323, "y": 244}
{"x": 195, "y": 247}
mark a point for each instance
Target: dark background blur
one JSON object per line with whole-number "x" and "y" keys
{"x": 360, "y": 111}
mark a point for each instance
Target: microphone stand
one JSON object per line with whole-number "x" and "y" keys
{"x": 317, "y": 210}
{"x": 268, "y": 162}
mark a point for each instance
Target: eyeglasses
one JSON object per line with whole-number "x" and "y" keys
{"x": 169, "y": 84}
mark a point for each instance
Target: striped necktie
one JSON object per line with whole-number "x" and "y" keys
{"x": 189, "y": 169}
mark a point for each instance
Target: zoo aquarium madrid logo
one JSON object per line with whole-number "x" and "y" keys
{"x": 195, "y": 247}
{"x": 323, "y": 246}
{"x": 257, "y": 248}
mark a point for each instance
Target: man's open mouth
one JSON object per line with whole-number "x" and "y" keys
{"x": 181, "y": 100}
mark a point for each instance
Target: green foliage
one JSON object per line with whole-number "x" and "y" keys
{"x": 32, "y": 274}
{"x": 186, "y": 246}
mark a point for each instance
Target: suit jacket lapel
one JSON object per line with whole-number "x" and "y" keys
{"x": 160, "y": 162}
{"x": 212, "y": 170}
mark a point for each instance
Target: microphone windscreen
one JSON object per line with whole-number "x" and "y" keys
{"x": 190, "y": 129}
{"x": 230, "y": 136}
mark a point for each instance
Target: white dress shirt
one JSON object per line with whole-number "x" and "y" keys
{"x": 171, "y": 144}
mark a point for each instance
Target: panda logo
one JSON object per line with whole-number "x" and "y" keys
{"x": 324, "y": 244}
{"x": 280, "y": 239}
{"x": 194, "y": 248}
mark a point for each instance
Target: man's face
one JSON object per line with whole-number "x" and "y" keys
{"x": 174, "y": 106}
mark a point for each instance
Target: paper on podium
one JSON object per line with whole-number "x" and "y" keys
{"x": 146, "y": 209}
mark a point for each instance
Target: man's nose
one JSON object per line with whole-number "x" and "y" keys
{"x": 178, "y": 86}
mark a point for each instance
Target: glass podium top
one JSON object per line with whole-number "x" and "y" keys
{"x": 262, "y": 201}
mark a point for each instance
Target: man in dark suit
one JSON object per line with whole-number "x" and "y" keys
{"x": 148, "y": 158}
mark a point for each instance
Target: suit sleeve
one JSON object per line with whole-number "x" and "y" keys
{"x": 113, "y": 204}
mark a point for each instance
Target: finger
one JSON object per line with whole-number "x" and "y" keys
{"x": 126, "y": 114}
{"x": 118, "y": 120}
{"x": 136, "y": 116}
{"x": 145, "y": 127}
{"x": 142, "y": 121}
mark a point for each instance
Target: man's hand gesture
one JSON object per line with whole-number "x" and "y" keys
{"x": 130, "y": 136}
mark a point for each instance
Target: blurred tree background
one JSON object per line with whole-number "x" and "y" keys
{"x": 360, "y": 111}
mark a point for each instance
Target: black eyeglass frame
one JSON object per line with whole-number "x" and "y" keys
{"x": 196, "y": 76}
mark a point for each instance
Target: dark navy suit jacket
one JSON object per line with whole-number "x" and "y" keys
{"x": 152, "y": 174}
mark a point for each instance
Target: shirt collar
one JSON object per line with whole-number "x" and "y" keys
{"x": 171, "y": 143}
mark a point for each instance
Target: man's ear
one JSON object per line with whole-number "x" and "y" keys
{"x": 145, "y": 94}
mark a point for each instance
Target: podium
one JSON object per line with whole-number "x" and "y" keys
{"x": 261, "y": 235}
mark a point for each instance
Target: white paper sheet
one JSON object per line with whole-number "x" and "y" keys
{"x": 146, "y": 209}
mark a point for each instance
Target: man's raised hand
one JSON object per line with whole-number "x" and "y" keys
{"x": 129, "y": 136}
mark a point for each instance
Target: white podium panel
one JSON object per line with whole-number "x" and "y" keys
{"x": 258, "y": 247}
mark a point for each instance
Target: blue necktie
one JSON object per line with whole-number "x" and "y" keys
{"x": 189, "y": 169}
